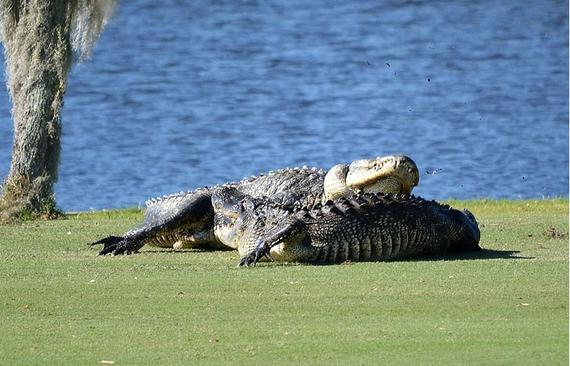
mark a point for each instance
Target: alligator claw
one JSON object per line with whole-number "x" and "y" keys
{"x": 244, "y": 261}
{"x": 120, "y": 249}
{"x": 261, "y": 250}
{"x": 248, "y": 260}
{"x": 114, "y": 245}
{"x": 107, "y": 249}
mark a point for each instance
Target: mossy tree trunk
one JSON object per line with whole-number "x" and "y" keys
{"x": 38, "y": 57}
{"x": 37, "y": 38}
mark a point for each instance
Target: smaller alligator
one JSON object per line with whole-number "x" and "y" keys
{"x": 364, "y": 227}
{"x": 186, "y": 219}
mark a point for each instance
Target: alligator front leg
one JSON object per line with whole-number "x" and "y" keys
{"x": 290, "y": 233}
{"x": 117, "y": 245}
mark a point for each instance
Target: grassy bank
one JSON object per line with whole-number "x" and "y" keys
{"x": 60, "y": 304}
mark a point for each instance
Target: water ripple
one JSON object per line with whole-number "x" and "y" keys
{"x": 184, "y": 95}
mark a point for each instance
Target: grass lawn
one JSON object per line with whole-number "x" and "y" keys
{"x": 60, "y": 304}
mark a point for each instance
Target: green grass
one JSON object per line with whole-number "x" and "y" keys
{"x": 60, "y": 304}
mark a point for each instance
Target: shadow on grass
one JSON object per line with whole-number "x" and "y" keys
{"x": 183, "y": 251}
{"x": 484, "y": 254}
{"x": 479, "y": 254}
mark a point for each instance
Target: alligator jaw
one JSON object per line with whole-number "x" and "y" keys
{"x": 334, "y": 185}
{"x": 389, "y": 174}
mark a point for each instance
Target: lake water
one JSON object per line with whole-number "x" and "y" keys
{"x": 181, "y": 95}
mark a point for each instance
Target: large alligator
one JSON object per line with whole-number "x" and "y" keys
{"x": 363, "y": 227}
{"x": 186, "y": 220}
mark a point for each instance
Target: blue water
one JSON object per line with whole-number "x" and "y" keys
{"x": 182, "y": 95}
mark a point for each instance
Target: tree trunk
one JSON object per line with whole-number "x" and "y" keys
{"x": 38, "y": 56}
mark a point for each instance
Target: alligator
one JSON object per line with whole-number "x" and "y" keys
{"x": 186, "y": 219}
{"x": 362, "y": 227}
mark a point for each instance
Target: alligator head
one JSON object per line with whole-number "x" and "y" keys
{"x": 389, "y": 174}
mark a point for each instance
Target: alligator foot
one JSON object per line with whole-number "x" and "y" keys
{"x": 260, "y": 251}
{"x": 115, "y": 245}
